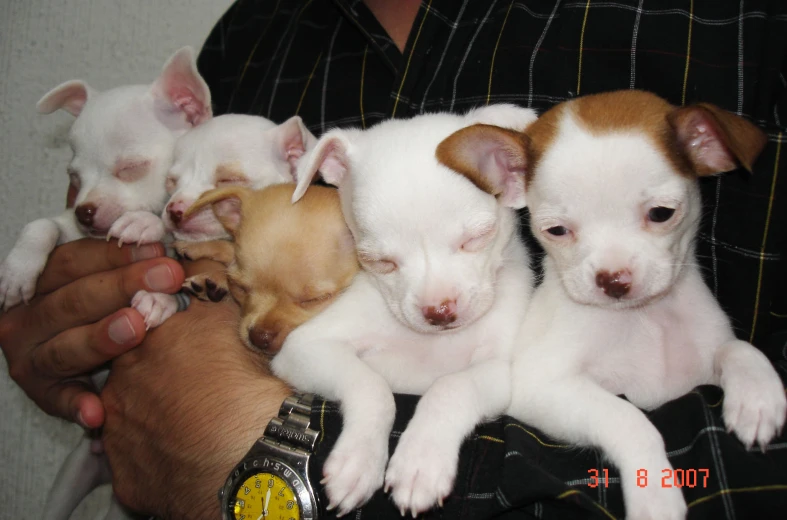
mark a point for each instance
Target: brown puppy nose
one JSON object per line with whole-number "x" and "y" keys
{"x": 175, "y": 215}
{"x": 615, "y": 285}
{"x": 262, "y": 338}
{"x": 440, "y": 315}
{"x": 85, "y": 214}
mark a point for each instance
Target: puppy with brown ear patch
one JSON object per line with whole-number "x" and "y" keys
{"x": 287, "y": 261}
{"x": 611, "y": 185}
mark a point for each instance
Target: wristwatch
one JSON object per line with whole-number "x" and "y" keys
{"x": 272, "y": 479}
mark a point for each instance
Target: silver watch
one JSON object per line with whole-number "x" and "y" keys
{"x": 272, "y": 479}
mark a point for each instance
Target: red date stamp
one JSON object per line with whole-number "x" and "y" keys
{"x": 669, "y": 478}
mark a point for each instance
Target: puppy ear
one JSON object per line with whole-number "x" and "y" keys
{"x": 715, "y": 140}
{"x": 227, "y": 205}
{"x": 493, "y": 158}
{"x": 291, "y": 140}
{"x": 502, "y": 114}
{"x": 71, "y": 96}
{"x": 183, "y": 97}
{"x": 329, "y": 157}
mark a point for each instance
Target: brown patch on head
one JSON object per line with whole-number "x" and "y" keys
{"x": 230, "y": 173}
{"x": 290, "y": 259}
{"x": 699, "y": 139}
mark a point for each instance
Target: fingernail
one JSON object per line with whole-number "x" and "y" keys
{"x": 121, "y": 331}
{"x": 144, "y": 252}
{"x": 159, "y": 278}
{"x": 81, "y": 420}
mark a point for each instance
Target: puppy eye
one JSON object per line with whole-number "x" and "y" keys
{"x": 311, "y": 302}
{"x": 377, "y": 265}
{"x": 171, "y": 184}
{"x": 660, "y": 214}
{"x": 231, "y": 181}
{"x": 132, "y": 171}
{"x": 558, "y": 231}
{"x": 478, "y": 242}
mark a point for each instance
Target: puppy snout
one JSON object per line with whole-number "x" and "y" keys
{"x": 263, "y": 338}
{"x": 85, "y": 214}
{"x": 440, "y": 315}
{"x": 175, "y": 212}
{"x": 615, "y": 285}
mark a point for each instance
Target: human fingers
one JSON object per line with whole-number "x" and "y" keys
{"x": 88, "y": 256}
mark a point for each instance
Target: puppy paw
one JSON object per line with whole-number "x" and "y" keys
{"x": 156, "y": 308}
{"x": 354, "y": 471}
{"x": 137, "y": 227}
{"x": 18, "y": 276}
{"x": 648, "y": 500}
{"x": 755, "y": 405}
{"x": 187, "y": 249}
{"x": 207, "y": 286}
{"x": 421, "y": 471}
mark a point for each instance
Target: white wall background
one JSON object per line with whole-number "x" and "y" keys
{"x": 43, "y": 43}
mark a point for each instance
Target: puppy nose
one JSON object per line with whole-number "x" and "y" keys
{"x": 262, "y": 338}
{"x": 615, "y": 285}
{"x": 443, "y": 314}
{"x": 175, "y": 214}
{"x": 85, "y": 214}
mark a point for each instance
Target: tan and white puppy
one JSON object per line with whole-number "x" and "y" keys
{"x": 228, "y": 150}
{"x": 286, "y": 263}
{"x": 444, "y": 284}
{"x": 614, "y": 199}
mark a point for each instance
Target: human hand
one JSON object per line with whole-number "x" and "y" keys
{"x": 79, "y": 320}
{"x": 183, "y": 408}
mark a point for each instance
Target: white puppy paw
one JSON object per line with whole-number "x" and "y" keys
{"x": 422, "y": 470}
{"x": 137, "y": 227}
{"x": 18, "y": 276}
{"x": 354, "y": 471}
{"x": 755, "y": 406}
{"x": 646, "y": 499}
{"x": 156, "y": 308}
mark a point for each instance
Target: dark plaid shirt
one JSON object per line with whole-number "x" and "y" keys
{"x": 333, "y": 64}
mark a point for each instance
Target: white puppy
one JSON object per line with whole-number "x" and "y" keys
{"x": 614, "y": 199}
{"x": 122, "y": 140}
{"x": 434, "y": 311}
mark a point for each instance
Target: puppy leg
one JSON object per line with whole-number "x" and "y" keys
{"x": 577, "y": 410}
{"x": 754, "y": 402}
{"x": 137, "y": 227}
{"x": 84, "y": 469}
{"x": 26, "y": 261}
{"x": 354, "y": 469}
{"x": 212, "y": 286}
{"x": 218, "y": 250}
{"x": 422, "y": 470}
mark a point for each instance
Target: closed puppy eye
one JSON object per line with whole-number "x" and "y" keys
{"x": 232, "y": 180}
{"x": 660, "y": 214}
{"x": 131, "y": 171}
{"x": 377, "y": 265}
{"x": 478, "y": 242}
{"x": 311, "y": 302}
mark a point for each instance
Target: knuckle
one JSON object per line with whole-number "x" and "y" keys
{"x": 68, "y": 262}
{"x": 74, "y": 304}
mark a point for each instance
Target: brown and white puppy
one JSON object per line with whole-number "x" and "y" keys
{"x": 611, "y": 184}
{"x": 287, "y": 262}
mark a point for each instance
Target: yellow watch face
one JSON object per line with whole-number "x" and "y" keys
{"x": 264, "y": 496}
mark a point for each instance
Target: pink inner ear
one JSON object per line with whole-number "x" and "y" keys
{"x": 703, "y": 143}
{"x": 189, "y": 103}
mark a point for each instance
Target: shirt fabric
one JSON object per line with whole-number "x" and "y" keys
{"x": 333, "y": 64}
